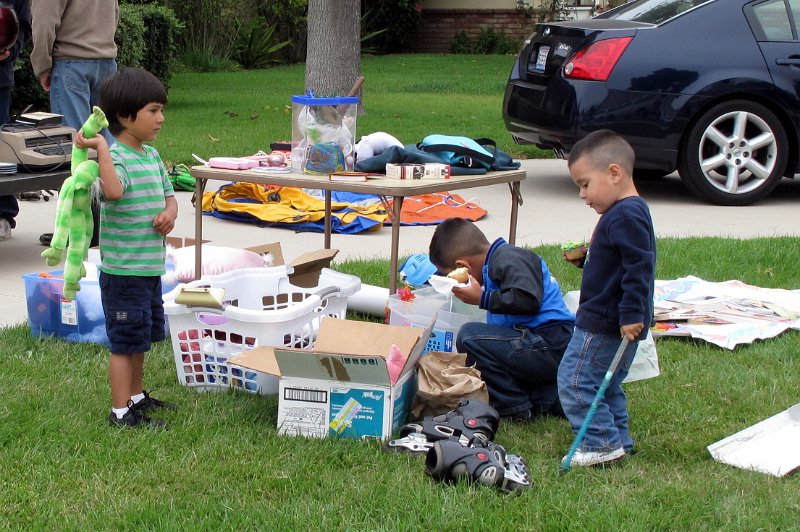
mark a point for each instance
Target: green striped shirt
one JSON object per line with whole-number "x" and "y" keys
{"x": 129, "y": 244}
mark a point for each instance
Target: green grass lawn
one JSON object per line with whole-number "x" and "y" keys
{"x": 222, "y": 465}
{"x": 409, "y": 96}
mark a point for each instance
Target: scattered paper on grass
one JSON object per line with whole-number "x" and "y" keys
{"x": 725, "y": 314}
{"x": 770, "y": 446}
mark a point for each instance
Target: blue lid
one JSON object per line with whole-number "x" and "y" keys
{"x": 417, "y": 269}
{"x": 311, "y": 100}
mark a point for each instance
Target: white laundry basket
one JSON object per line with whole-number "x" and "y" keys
{"x": 261, "y": 308}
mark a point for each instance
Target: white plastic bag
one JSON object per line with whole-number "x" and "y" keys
{"x": 645, "y": 363}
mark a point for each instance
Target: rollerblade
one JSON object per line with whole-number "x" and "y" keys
{"x": 471, "y": 420}
{"x": 485, "y": 463}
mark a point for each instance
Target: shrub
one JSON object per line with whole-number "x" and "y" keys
{"x": 488, "y": 41}
{"x": 130, "y": 37}
{"x": 154, "y": 30}
{"x": 256, "y": 48}
{"x": 27, "y": 90}
{"x": 290, "y": 19}
{"x": 400, "y": 18}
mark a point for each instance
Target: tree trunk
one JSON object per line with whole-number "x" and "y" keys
{"x": 333, "y": 56}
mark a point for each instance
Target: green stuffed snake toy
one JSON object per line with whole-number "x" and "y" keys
{"x": 74, "y": 224}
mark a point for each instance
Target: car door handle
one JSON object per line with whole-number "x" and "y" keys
{"x": 791, "y": 60}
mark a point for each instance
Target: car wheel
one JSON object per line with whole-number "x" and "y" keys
{"x": 735, "y": 153}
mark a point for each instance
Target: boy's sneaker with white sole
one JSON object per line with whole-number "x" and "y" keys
{"x": 591, "y": 458}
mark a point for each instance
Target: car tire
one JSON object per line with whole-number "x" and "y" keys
{"x": 735, "y": 153}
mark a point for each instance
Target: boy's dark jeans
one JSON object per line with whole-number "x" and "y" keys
{"x": 516, "y": 364}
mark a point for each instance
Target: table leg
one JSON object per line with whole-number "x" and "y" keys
{"x": 396, "y": 208}
{"x": 516, "y": 201}
{"x": 200, "y": 186}
{"x": 328, "y": 194}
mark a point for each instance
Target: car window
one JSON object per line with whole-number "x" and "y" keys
{"x": 652, "y": 11}
{"x": 773, "y": 20}
{"x": 795, "y": 7}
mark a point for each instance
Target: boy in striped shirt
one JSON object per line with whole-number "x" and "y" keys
{"x": 138, "y": 209}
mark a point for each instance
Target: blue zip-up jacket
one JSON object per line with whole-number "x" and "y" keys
{"x": 519, "y": 289}
{"x": 619, "y": 271}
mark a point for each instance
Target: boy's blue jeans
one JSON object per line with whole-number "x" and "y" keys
{"x": 580, "y": 374}
{"x": 75, "y": 88}
{"x": 518, "y": 367}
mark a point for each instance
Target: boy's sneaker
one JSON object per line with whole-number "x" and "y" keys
{"x": 5, "y": 229}
{"x": 134, "y": 418}
{"x": 592, "y": 458}
{"x": 151, "y": 403}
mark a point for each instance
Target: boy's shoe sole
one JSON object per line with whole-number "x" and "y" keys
{"x": 595, "y": 458}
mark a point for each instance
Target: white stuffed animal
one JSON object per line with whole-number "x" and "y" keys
{"x": 375, "y": 144}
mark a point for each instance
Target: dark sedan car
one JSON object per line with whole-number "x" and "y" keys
{"x": 708, "y": 87}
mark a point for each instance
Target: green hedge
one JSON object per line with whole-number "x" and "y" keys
{"x": 146, "y": 37}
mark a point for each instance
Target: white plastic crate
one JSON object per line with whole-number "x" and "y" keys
{"x": 262, "y": 309}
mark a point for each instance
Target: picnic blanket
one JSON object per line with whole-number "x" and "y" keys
{"x": 725, "y": 314}
{"x": 304, "y": 209}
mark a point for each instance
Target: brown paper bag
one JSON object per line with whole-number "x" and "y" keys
{"x": 443, "y": 379}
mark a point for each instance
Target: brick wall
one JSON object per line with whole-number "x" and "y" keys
{"x": 440, "y": 26}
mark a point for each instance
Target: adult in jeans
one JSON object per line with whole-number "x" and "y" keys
{"x": 73, "y": 52}
{"x": 9, "y": 208}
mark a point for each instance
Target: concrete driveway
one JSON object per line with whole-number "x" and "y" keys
{"x": 551, "y": 213}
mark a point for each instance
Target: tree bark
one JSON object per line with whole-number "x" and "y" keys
{"x": 333, "y": 56}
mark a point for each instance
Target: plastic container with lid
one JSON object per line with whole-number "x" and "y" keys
{"x": 323, "y": 134}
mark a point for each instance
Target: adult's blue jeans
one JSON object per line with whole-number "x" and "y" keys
{"x": 517, "y": 365}
{"x": 75, "y": 89}
{"x": 580, "y": 375}
{"x": 9, "y": 208}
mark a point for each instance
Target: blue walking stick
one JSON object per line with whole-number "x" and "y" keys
{"x": 612, "y": 368}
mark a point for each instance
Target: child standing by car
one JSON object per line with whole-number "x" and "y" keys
{"x": 138, "y": 209}
{"x": 616, "y": 297}
{"x": 527, "y": 326}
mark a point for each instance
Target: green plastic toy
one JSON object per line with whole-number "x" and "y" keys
{"x": 74, "y": 224}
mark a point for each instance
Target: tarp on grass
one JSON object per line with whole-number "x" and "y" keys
{"x": 304, "y": 210}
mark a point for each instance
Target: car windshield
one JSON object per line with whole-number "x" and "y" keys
{"x": 652, "y": 11}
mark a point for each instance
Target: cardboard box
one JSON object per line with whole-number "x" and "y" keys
{"x": 307, "y": 266}
{"x": 418, "y": 171}
{"x": 341, "y": 388}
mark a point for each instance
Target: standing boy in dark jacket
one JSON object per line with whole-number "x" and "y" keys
{"x": 616, "y": 295}
{"x": 528, "y": 325}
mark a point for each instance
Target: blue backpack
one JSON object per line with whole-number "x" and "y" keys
{"x": 461, "y": 151}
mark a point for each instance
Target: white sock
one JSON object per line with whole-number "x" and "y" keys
{"x": 120, "y": 412}
{"x": 138, "y": 397}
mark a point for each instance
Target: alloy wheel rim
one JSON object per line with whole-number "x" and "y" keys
{"x": 738, "y": 152}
